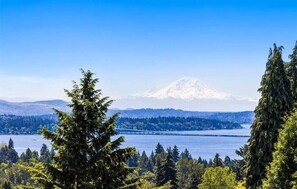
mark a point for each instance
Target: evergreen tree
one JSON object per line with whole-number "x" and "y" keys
{"x": 168, "y": 171}
{"x": 217, "y": 161}
{"x": 159, "y": 174}
{"x": 159, "y": 150}
{"x": 133, "y": 161}
{"x": 86, "y": 155}
{"x": 276, "y": 102}
{"x": 8, "y": 153}
{"x": 227, "y": 161}
{"x": 10, "y": 144}
{"x": 210, "y": 163}
{"x": 292, "y": 72}
{"x": 45, "y": 155}
{"x": 152, "y": 158}
{"x": 186, "y": 154}
{"x": 145, "y": 164}
{"x": 175, "y": 153}
{"x": 280, "y": 173}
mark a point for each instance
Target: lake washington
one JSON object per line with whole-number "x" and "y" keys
{"x": 204, "y": 146}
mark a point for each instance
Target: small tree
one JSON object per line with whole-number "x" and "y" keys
{"x": 218, "y": 178}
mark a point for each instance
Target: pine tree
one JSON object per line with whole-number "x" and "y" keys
{"x": 86, "y": 155}
{"x": 160, "y": 150}
{"x": 217, "y": 161}
{"x": 45, "y": 154}
{"x": 276, "y": 102}
{"x": 152, "y": 158}
{"x": 159, "y": 174}
{"x": 186, "y": 154}
{"x": 280, "y": 173}
{"x": 227, "y": 161}
{"x": 292, "y": 72}
{"x": 10, "y": 144}
{"x": 175, "y": 153}
{"x": 168, "y": 171}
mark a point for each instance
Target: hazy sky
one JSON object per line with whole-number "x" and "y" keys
{"x": 136, "y": 45}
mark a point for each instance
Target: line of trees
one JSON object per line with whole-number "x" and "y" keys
{"x": 12, "y": 124}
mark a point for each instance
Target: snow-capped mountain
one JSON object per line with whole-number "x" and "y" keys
{"x": 187, "y": 88}
{"x": 188, "y": 94}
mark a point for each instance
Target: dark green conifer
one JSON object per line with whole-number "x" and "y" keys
{"x": 217, "y": 161}
{"x": 168, "y": 171}
{"x": 86, "y": 156}
{"x": 159, "y": 174}
{"x": 10, "y": 144}
{"x": 175, "y": 153}
{"x": 292, "y": 72}
{"x": 45, "y": 155}
{"x": 275, "y": 102}
{"x": 160, "y": 150}
{"x": 186, "y": 154}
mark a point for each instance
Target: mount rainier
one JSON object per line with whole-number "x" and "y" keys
{"x": 187, "y": 93}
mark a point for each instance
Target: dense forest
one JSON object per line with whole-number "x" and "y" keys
{"x": 87, "y": 153}
{"x": 11, "y": 124}
{"x": 174, "y": 124}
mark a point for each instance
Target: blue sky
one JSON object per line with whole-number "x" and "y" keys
{"x": 136, "y": 45}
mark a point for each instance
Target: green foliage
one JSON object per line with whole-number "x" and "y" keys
{"x": 186, "y": 154}
{"x": 86, "y": 156}
{"x": 175, "y": 153}
{"x": 8, "y": 153}
{"x": 12, "y": 124}
{"x": 217, "y": 161}
{"x": 189, "y": 173}
{"x": 168, "y": 171}
{"x": 218, "y": 178}
{"x": 280, "y": 173}
{"x": 292, "y": 72}
{"x": 6, "y": 185}
{"x": 276, "y": 102}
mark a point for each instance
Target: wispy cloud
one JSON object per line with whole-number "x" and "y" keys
{"x": 18, "y": 88}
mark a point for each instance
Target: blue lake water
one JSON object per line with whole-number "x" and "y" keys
{"x": 204, "y": 146}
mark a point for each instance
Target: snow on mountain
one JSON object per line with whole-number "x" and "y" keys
{"x": 187, "y": 88}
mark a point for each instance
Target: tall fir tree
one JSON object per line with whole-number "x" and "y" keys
{"x": 175, "y": 153}
{"x": 280, "y": 173}
{"x": 10, "y": 144}
{"x": 168, "y": 170}
{"x": 292, "y": 72}
{"x": 276, "y": 101}
{"x": 86, "y": 155}
{"x": 160, "y": 150}
{"x": 217, "y": 161}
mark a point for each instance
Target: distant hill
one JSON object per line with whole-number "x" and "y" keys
{"x": 246, "y": 117}
{"x": 45, "y": 108}
{"x": 174, "y": 124}
{"x": 32, "y": 108}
